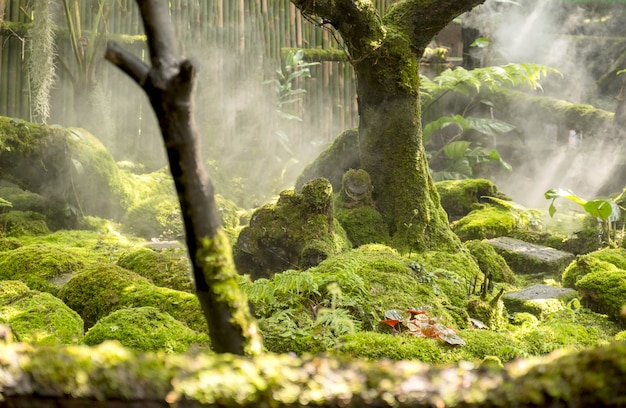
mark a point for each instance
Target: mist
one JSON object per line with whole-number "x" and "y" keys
{"x": 565, "y": 35}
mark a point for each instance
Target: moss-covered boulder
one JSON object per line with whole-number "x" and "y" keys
{"x": 18, "y": 223}
{"x": 298, "y": 231}
{"x": 460, "y": 197}
{"x": 38, "y": 317}
{"x": 356, "y": 212}
{"x": 607, "y": 259}
{"x": 604, "y": 292}
{"x": 23, "y": 200}
{"x": 487, "y": 222}
{"x": 97, "y": 291}
{"x": 169, "y": 268}
{"x": 307, "y": 311}
{"x": 145, "y": 328}
{"x": 155, "y": 217}
{"x": 68, "y": 167}
{"x": 41, "y": 267}
{"x": 492, "y": 265}
{"x": 334, "y": 161}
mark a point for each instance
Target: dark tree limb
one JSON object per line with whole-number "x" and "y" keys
{"x": 169, "y": 84}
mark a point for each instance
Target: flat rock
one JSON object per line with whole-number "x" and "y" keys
{"x": 540, "y": 292}
{"x": 527, "y": 258}
{"x": 539, "y": 300}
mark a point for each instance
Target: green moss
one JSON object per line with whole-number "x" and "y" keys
{"x": 525, "y": 319}
{"x": 155, "y": 217}
{"x": 18, "y": 223}
{"x": 488, "y": 222}
{"x": 170, "y": 268}
{"x": 491, "y": 313}
{"x": 481, "y": 344}
{"x": 563, "y": 330}
{"x": 41, "y": 267}
{"x": 297, "y": 231}
{"x": 38, "y": 317}
{"x": 460, "y": 197}
{"x": 363, "y": 225}
{"x": 608, "y": 259}
{"x": 23, "y": 200}
{"x": 318, "y": 54}
{"x": 10, "y": 290}
{"x": 621, "y": 336}
{"x": 145, "y": 328}
{"x": 491, "y": 264}
{"x": 104, "y": 245}
{"x": 97, "y": 291}
{"x": 604, "y": 292}
{"x": 9, "y": 243}
{"x": 538, "y": 307}
{"x": 375, "y": 346}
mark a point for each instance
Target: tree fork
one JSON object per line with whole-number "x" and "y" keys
{"x": 169, "y": 84}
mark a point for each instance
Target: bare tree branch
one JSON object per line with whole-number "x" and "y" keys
{"x": 169, "y": 84}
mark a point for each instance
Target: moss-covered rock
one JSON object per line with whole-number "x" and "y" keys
{"x": 23, "y": 200}
{"x": 97, "y": 291}
{"x": 608, "y": 259}
{"x": 41, "y": 267}
{"x": 487, "y": 222}
{"x": 540, "y": 300}
{"x": 355, "y": 289}
{"x": 604, "y": 292}
{"x": 9, "y": 243}
{"x": 298, "y": 231}
{"x": 334, "y": 161}
{"x": 355, "y": 210}
{"x": 565, "y": 329}
{"x": 460, "y": 197}
{"x": 374, "y": 346}
{"x": 145, "y": 328}
{"x": 492, "y": 265}
{"x": 155, "y": 217}
{"x": 38, "y": 317}
{"x": 18, "y": 223}
{"x": 102, "y": 245}
{"x": 531, "y": 259}
{"x": 169, "y": 268}
{"x": 491, "y": 312}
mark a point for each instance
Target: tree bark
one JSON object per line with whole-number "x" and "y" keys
{"x": 169, "y": 84}
{"x": 385, "y": 52}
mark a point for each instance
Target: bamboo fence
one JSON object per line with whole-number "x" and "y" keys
{"x": 237, "y": 44}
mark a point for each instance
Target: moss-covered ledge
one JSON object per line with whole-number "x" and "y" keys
{"x": 586, "y": 118}
{"x": 116, "y": 376}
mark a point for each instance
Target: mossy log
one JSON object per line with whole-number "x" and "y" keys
{"x": 68, "y": 167}
{"x": 585, "y": 118}
{"x": 109, "y": 375}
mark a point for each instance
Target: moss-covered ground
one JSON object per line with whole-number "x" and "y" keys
{"x": 102, "y": 277}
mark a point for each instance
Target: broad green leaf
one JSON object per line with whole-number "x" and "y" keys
{"x": 442, "y": 122}
{"x": 456, "y": 149}
{"x": 563, "y": 193}
{"x": 490, "y": 127}
{"x": 604, "y": 209}
{"x": 481, "y": 42}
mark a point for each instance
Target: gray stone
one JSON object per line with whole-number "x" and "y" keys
{"x": 539, "y": 300}
{"x": 527, "y": 258}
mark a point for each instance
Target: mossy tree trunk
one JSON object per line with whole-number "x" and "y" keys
{"x": 169, "y": 84}
{"x": 385, "y": 52}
